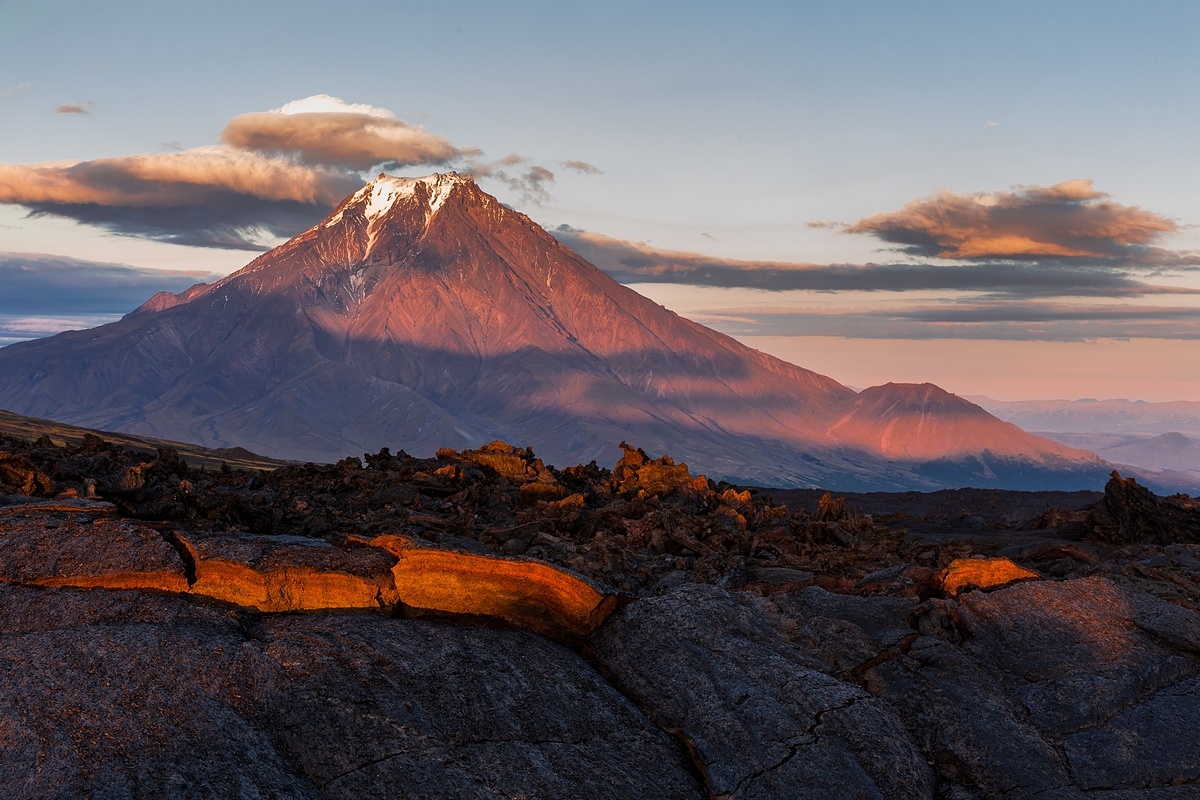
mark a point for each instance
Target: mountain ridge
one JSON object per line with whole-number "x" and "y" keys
{"x": 423, "y": 313}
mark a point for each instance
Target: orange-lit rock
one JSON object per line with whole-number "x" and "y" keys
{"x": 526, "y": 594}
{"x": 289, "y": 573}
{"x": 983, "y": 573}
{"x": 638, "y": 472}
{"x": 65, "y": 544}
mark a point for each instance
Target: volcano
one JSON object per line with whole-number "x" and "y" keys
{"x": 422, "y": 313}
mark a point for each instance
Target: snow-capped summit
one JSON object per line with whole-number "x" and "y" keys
{"x": 382, "y": 194}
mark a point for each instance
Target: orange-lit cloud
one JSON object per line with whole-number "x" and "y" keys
{"x": 325, "y": 130}
{"x": 1069, "y": 221}
{"x": 73, "y": 108}
{"x": 274, "y": 174}
{"x": 213, "y": 196}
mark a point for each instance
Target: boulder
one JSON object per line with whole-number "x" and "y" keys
{"x": 521, "y": 592}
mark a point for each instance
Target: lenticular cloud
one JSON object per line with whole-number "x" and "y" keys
{"x": 328, "y": 131}
{"x": 274, "y": 174}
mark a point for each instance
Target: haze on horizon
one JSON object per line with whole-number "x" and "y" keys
{"x": 986, "y": 198}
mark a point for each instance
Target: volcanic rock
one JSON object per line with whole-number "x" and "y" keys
{"x": 758, "y": 651}
{"x": 82, "y": 544}
{"x": 161, "y": 697}
{"x": 526, "y": 594}
{"x": 982, "y": 573}
{"x": 289, "y": 573}
{"x": 759, "y": 717}
{"x": 1131, "y": 513}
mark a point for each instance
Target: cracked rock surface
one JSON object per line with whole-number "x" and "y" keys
{"x": 480, "y": 625}
{"x": 132, "y": 694}
{"x": 762, "y": 719}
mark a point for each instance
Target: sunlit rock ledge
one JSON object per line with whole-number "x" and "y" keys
{"x": 83, "y": 546}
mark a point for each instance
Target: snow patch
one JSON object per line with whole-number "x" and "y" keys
{"x": 385, "y": 191}
{"x": 379, "y": 196}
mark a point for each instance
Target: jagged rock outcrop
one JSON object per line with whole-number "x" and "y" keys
{"x": 1132, "y": 514}
{"x": 150, "y": 646}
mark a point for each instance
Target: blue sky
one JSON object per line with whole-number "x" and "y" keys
{"x": 716, "y": 130}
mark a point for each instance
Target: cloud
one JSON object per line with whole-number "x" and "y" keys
{"x": 1069, "y": 222}
{"x": 632, "y": 262}
{"x": 19, "y": 328}
{"x": 16, "y": 88}
{"x": 73, "y": 108}
{"x": 274, "y": 174}
{"x": 324, "y": 130}
{"x": 978, "y": 321}
{"x": 531, "y": 182}
{"x": 38, "y": 285}
{"x": 991, "y": 123}
{"x": 211, "y": 196}
{"x": 582, "y": 167}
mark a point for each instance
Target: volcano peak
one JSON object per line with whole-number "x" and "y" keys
{"x": 386, "y": 190}
{"x": 382, "y": 194}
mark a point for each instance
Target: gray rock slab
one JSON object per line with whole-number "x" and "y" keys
{"x": 972, "y": 729}
{"x": 124, "y": 694}
{"x": 1074, "y": 650}
{"x": 761, "y": 718}
{"x": 1155, "y": 743}
{"x": 58, "y": 545}
{"x": 439, "y": 711}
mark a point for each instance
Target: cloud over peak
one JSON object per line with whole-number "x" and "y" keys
{"x": 1069, "y": 221}
{"x": 328, "y": 131}
{"x": 274, "y": 174}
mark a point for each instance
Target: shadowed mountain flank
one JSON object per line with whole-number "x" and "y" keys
{"x": 422, "y": 313}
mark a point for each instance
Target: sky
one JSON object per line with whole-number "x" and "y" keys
{"x": 995, "y": 197}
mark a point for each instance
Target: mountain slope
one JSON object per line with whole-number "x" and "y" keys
{"x": 423, "y": 313}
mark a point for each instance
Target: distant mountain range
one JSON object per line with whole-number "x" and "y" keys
{"x": 1162, "y": 439}
{"x": 423, "y": 313}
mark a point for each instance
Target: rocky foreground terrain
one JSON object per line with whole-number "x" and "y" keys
{"x": 481, "y": 625}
